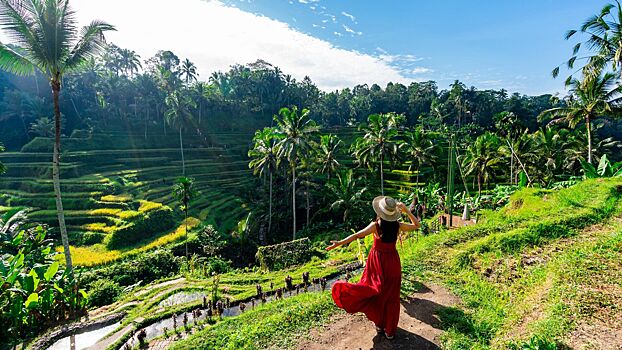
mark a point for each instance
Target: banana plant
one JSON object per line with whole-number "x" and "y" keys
{"x": 605, "y": 168}
{"x": 35, "y": 292}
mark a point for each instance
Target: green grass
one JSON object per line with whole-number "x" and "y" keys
{"x": 508, "y": 301}
{"x": 275, "y": 325}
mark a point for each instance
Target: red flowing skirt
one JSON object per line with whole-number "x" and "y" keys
{"x": 377, "y": 294}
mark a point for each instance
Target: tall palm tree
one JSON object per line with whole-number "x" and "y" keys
{"x": 481, "y": 159}
{"x": 379, "y": 143}
{"x": 178, "y": 114}
{"x": 45, "y": 37}
{"x": 346, "y": 193}
{"x": 130, "y": 61}
{"x": 296, "y": 130}
{"x": 604, "y": 41}
{"x": 263, "y": 157}
{"x": 594, "y": 96}
{"x": 200, "y": 90}
{"x": 419, "y": 149}
{"x": 188, "y": 71}
{"x": 326, "y": 154}
{"x": 184, "y": 192}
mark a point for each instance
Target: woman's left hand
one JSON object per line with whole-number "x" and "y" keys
{"x": 334, "y": 244}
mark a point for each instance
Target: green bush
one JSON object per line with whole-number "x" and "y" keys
{"x": 90, "y": 238}
{"x": 144, "y": 227}
{"x": 146, "y": 267}
{"x": 103, "y": 292}
{"x": 280, "y": 256}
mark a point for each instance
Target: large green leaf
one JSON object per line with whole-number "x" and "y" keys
{"x": 603, "y": 166}
{"x": 522, "y": 179}
{"x": 32, "y": 301}
{"x": 51, "y": 271}
{"x": 35, "y": 279}
{"x": 588, "y": 170}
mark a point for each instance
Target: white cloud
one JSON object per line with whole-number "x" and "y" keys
{"x": 337, "y": 34}
{"x": 350, "y": 30}
{"x": 215, "y": 36}
{"x": 421, "y": 70}
{"x": 351, "y": 17}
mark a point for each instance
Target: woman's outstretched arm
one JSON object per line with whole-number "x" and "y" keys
{"x": 362, "y": 233}
{"x": 414, "y": 222}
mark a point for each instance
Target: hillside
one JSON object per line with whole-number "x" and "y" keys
{"x": 126, "y": 188}
{"x": 504, "y": 283}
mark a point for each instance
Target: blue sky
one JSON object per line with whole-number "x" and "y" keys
{"x": 340, "y": 43}
{"x": 489, "y": 44}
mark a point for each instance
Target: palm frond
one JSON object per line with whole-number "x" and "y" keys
{"x": 91, "y": 43}
{"x": 13, "y": 62}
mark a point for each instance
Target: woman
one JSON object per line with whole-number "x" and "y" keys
{"x": 378, "y": 292}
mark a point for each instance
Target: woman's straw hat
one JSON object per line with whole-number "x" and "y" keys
{"x": 386, "y": 208}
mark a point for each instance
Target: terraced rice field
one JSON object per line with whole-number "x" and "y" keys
{"x": 107, "y": 190}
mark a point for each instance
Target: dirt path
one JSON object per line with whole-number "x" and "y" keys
{"x": 419, "y": 326}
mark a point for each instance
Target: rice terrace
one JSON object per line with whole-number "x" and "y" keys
{"x": 310, "y": 174}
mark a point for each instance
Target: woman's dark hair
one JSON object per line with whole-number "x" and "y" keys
{"x": 388, "y": 230}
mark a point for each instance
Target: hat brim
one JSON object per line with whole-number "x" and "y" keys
{"x": 376, "y": 204}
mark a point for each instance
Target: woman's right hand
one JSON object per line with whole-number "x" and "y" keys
{"x": 402, "y": 207}
{"x": 333, "y": 245}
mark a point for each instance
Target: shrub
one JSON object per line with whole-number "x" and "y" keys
{"x": 103, "y": 292}
{"x": 90, "y": 238}
{"x": 147, "y": 267}
{"x": 280, "y": 256}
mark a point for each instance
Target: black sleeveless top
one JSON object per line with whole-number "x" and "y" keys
{"x": 387, "y": 230}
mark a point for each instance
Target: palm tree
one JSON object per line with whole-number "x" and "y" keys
{"x": 554, "y": 148}
{"x": 482, "y": 160}
{"x": 420, "y": 150}
{"x": 184, "y": 192}
{"x": 179, "y": 115}
{"x": 43, "y": 127}
{"x": 520, "y": 147}
{"x": 593, "y": 97}
{"x": 130, "y": 61}
{"x": 296, "y": 130}
{"x": 346, "y": 193}
{"x": 604, "y": 42}
{"x": 46, "y": 38}
{"x": 200, "y": 90}
{"x": 380, "y": 142}
{"x": 188, "y": 71}
{"x": 263, "y": 157}
{"x": 326, "y": 154}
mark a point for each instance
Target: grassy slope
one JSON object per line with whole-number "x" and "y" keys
{"x": 514, "y": 272}
{"x": 540, "y": 270}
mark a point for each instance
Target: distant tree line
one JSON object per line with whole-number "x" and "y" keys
{"x": 164, "y": 94}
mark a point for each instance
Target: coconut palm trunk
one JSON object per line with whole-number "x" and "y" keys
{"x": 265, "y": 241}
{"x": 186, "y": 228}
{"x": 381, "y": 173}
{"x": 294, "y": 199}
{"x": 588, "y": 126}
{"x": 55, "y": 84}
{"x": 479, "y": 185}
{"x": 308, "y": 204}
{"x": 181, "y": 148}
